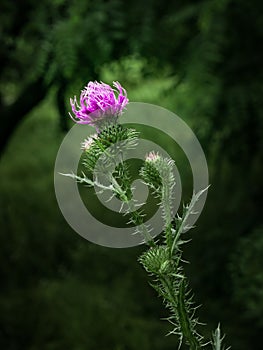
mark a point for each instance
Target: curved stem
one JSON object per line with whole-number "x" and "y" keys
{"x": 136, "y": 217}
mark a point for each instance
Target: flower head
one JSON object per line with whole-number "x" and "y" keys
{"x": 99, "y": 102}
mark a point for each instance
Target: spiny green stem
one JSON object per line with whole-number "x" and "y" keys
{"x": 185, "y": 322}
{"x": 137, "y": 218}
{"x": 169, "y": 236}
{"x": 178, "y": 306}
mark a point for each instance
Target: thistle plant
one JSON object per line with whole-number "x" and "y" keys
{"x": 101, "y": 106}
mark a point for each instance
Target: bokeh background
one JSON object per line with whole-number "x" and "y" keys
{"x": 201, "y": 60}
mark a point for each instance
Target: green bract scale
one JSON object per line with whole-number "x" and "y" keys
{"x": 115, "y": 138}
{"x": 151, "y": 175}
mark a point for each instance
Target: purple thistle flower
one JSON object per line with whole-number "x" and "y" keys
{"x": 99, "y": 102}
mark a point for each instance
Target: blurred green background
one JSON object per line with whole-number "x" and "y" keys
{"x": 201, "y": 60}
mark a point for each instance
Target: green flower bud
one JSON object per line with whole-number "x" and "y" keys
{"x": 151, "y": 175}
{"x": 156, "y": 260}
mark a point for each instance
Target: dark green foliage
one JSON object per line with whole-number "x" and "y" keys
{"x": 247, "y": 275}
{"x": 200, "y": 59}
